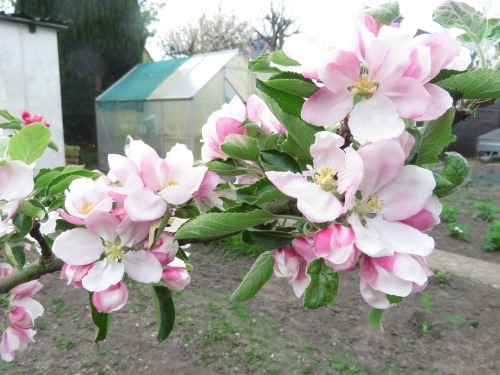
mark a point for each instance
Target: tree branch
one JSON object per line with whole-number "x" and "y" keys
{"x": 44, "y": 246}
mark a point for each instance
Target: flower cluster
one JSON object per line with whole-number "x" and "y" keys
{"x": 28, "y": 119}
{"x": 18, "y": 315}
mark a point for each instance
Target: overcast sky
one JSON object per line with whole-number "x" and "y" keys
{"x": 312, "y": 15}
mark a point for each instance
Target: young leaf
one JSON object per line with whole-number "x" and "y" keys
{"x": 16, "y": 256}
{"x": 241, "y": 147}
{"x": 259, "y": 192}
{"x": 30, "y": 143}
{"x": 156, "y": 229}
{"x": 226, "y": 168}
{"x": 164, "y": 308}
{"x": 255, "y": 279}
{"x": 375, "y": 318}
{"x": 32, "y": 209}
{"x": 452, "y": 176}
{"x": 101, "y": 321}
{"x": 462, "y": 16}
{"x": 280, "y": 58}
{"x": 214, "y": 225}
{"x": 436, "y": 136}
{"x": 385, "y": 13}
{"x": 262, "y": 64}
{"x": 293, "y": 83}
{"x": 279, "y": 161}
{"x": 24, "y": 224}
{"x": 473, "y": 84}
{"x": 323, "y": 287}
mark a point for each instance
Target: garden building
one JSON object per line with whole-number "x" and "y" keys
{"x": 168, "y": 102}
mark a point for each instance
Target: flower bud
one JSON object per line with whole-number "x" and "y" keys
{"x": 111, "y": 299}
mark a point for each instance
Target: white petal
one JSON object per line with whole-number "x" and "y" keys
{"x": 144, "y": 204}
{"x": 102, "y": 275}
{"x": 78, "y": 247}
{"x": 142, "y": 266}
{"x": 367, "y": 239}
{"x": 408, "y": 268}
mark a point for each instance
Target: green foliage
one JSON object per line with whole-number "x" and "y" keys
{"x": 473, "y": 84}
{"x": 263, "y": 63}
{"x": 459, "y": 231}
{"x": 101, "y": 321}
{"x": 268, "y": 239}
{"x": 235, "y": 245}
{"x": 163, "y": 305}
{"x": 436, "y": 135}
{"x": 486, "y": 211}
{"x": 452, "y": 176}
{"x": 427, "y": 302}
{"x": 449, "y": 213}
{"x": 375, "y": 318}
{"x": 441, "y": 276}
{"x": 16, "y": 256}
{"x": 241, "y": 147}
{"x": 492, "y": 237}
{"x": 293, "y": 83}
{"x": 385, "y": 13}
{"x": 30, "y": 143}
{"x": 255, "y": 279}
{"x": 323, "y": 287}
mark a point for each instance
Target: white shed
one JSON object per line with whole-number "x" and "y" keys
{"x": 167, "y": 102}
{"x": 29, "y": 74}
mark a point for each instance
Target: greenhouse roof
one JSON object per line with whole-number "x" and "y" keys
{"x": 169, "y": 79}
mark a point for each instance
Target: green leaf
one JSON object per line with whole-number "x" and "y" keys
{"x": 280, "y": 58}
{"x": 60, "y": 183}
{"x": 30, "y": 143}
{"x": 11, "y": 125}
{"x": 452, "y": 176}
{"x": 101, "y": 321}
{"x": 16, "y": 256}
{"x": 32, "y": 208}
{"x": 473, "y": 84}
{"x": 255, "y": 279}
{"x": 53, "y": 146}
{"x": 436, "y": 136}
{"x": 164, "y": 308}
{"x": 23, "y": 224}
{"x": 62, "y": 225}
{"x": 267, "y": 239}
{"x": 259, "y": 192}
{"x": 446, "y": 73}
{"x": 226, "y": 168}
{"x": 156, "y": 229}
{"x": 491, "y": 37}
{"x": 287, "y": 108}
{"x": 293, "y": 83}
{"x": 241, "y": 147}
{"x": 393, "y": 299}
{"x": 462, "y": 16}
{"x": 56, "y": 203}
{"x": 279, "y": 161}
{"x": 375, "y": 318}
{"x": 385, "y": 13}
{"x": 214, "y": 225}
{"x": 262, "y": 64}
{"x": 323, "y": 287}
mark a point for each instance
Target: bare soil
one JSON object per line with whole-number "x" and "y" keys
{"x": 273, "y": 333}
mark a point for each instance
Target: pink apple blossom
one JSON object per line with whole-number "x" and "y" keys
{"x": 260, "y": 114}
{"x": 397, "y": 275}
{"x": 289, "y": 264}
{"x": 165, "y": 249}
{"x": 16, "y": 180}
{"x": 334, "y": 179}
{"x": 111, "y": 299}
{"x": 175, "y": 275}
{"x": 75, "y": 274}
{"x": 336, "y": 245}
{"x": 206, "y": 197}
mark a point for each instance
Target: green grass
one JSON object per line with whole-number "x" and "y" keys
{"x": 58, "y": 306}
{"x": 449, "y": 213}
{"x": 459, "y": 231}
{"x": 63, "y": 343}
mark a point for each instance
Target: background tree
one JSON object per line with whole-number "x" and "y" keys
{"x": 276, "y": 25}
{"x": 208, "y": 34}
{"x": 106, "y": 39}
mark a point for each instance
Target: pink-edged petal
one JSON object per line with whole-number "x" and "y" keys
{"x": 382, "y": 280}
{"x": 386, "y": 63}
{"x": 420, "y": 63}
{"x": 16, "y": 180}
{"x": 441, "y": 101}
{"x": 33, "y": 307}
{"x": 374, "y": 119}
{"x": 121, "y": 168}
{"x": 407, "y": 194}
{"x": 144, "y": 205}
{"x": 342, "y": 72}
{"x": 427, "y": 218}
{"x": 132, "y": 232}
{"x": 367, "y": 239}
{"x": 78, "y": 247}
{"x": 373, "y": 297}
{"x": 401, "y": 237}
{"x": 176, "y": 194}
{"x": 208, "y": 184}
{"x": 69, "y": 218}
{"x": 102, "y": 275}
{"x": 322, "y": 244}
{"x": 325, "y": 108}
{"x": 407, "y": 141}
{"x": 316, "y": 204}
{"x": 379, "y": 171}
{"x": 409, "y": 96}
{"x": 299, "y": 284}
{"x": 142, "y": 266}
{"x": 350, "y": 177}
{"x": 304, "y": 247}
{"x": 26, "y": 290}
{"x": 154, "y": 172}
{"x": 406, "y": 267}
{"x": 102, "y": 224}
{"x": 326, "y": 151}
{"x": 226, "y": 126}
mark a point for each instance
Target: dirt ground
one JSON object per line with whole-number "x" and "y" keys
{"x": 273, "y": 333}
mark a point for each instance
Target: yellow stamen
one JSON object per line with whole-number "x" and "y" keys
{"x": 374, "y": 204}
{"x": 114, "y": 253}
{"x": 87, "y": 207}
{"x": 169, "y": 183}
{"x": 324, "y": 178}
{"x": 364, "y": 87}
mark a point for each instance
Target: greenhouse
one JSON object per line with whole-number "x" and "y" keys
{"x": 167, "y": 102}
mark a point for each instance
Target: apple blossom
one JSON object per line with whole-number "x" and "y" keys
{"x": 111, "y": 299}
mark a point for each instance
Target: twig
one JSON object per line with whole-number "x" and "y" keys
{"x": 38, "y": 236}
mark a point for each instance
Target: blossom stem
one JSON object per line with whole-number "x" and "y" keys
{"x": 44, "y": 246}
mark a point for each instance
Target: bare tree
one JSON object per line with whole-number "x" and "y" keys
{"x": 276, "y": 25}
{"x": 209, "y": 34}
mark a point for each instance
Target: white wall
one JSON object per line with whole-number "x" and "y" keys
{"x": 29, "y": 79}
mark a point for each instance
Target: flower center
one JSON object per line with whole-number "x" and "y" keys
{"x": 324, "y": 177}
{"x": 114, "y": 252}
{"x": 169, "y": 183}
{"x": 87, "y": 207}
{"x": 373, "y": 205}
{"x": 364, "y": 87}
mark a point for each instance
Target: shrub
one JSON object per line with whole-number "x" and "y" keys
{"x": 492, "y": 237}
{"x": 459, "y": 231}
{"x": 449, "y": 213}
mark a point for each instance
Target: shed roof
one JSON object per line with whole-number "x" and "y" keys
{"x": 170, "y": 79}
{"x": 22, "y": 17}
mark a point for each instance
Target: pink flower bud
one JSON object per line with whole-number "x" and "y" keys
{"x": 25, "y": 290}
{"x": 25, "y": 115}
{"x": 176, "y": 278}
{"x": 5, "y": 270}
{"x": 111, "y": 299}
{"x": 165, "y": 248}
{"x": 75, "y": 274}
{"x": 20, "y": 317}
{"x": 286, "y": 262}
